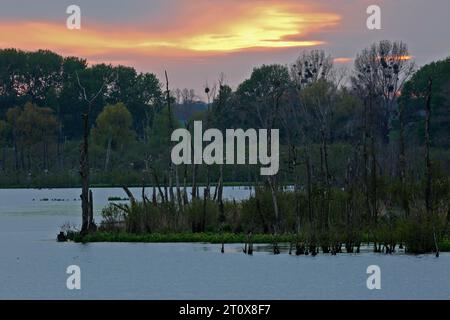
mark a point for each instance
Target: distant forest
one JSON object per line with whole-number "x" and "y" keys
{"x": 329, "y": 118}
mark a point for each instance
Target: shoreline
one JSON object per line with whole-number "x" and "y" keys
{"x": 209, "y": 238}
{"x": 106, "y": 186}
{"x": 180, "y": 237}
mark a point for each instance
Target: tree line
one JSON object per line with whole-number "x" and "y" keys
{"x": 41, "y": 105}
{"x": 361, "y": 147}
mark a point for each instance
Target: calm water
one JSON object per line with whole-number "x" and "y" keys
{"x": 33, "y": 265}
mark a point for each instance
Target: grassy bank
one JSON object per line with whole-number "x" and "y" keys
{"x": 180, "y": 237}
{"x": 444, "y": 245}
{"x": 189, "y": 237}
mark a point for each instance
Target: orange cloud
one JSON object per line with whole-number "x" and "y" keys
{"x": 273, "y": 26}
{"x": 403, "y": 58}
{"x": 217, "y": 28}
{"x": 342, "y": 60}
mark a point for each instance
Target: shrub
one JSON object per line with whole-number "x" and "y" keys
{"x": 419, "y": 231}
{"x": 112, "y": 218}
{"x": 203, "y": 215}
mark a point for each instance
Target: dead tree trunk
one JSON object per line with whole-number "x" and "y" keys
{"x": 271, "y": 181}
{"x": 220, "y": 186}
{"x": 185, "y": 192}
{"x": 154, "y": 200}
{"x": 177, "y": 183}
{"x": 194, "y": 181}
{"x": 130, "y": 195}
{"x": 84, "y": 172}
{"x": 309, "y": 185}
{"x": 429, "y": 171}
{"x": 87, "y": 223}
{"x": 204, "y": 215}
{"x": 327, "y": 177}
{"x": 92, "y": 226}
{"x": 428, "y": 204}
{"x": 373, "y": 161}
{"x": 365, "y": 139}
{"x": 170, "y": 142}
{"x": 156, "y": 181}
{"x": 272, "y": 185}
{"x": 84, "y": 157}
{"x": 108, "y": 153}
{"x": 60, "y": 146}
{"x": 402, "y": 161}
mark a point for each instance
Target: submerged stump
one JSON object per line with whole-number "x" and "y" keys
{"x": 61, "y": 237}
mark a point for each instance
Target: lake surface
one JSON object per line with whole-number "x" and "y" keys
{"x": 33, "y": 265}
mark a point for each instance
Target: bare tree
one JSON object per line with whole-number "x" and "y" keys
{"x": 428, "y": 164}
{"x": 86, "y": 195}
{"x": 428, "y": 202}
{"x": 380, "y": 73}
{"x": 318, "y": 101}
{"x": 170, "y": 143}
{"x": 310, "y": 67}
{"x": 210, "y": 94}
{"x": 314, "y": 77}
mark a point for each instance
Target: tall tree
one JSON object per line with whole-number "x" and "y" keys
{"x": 260, "y": 99}
{"x": 311, "y": 75}
{"x": 34, "y": 132}
{"x": 4, "y": 133}
{"x": 319, "y": 101}
{"x": 86, "y": 195}
{"x": 113, "y": 130}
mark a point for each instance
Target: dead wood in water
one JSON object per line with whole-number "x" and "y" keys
{"x": 130, "y": 195}
{"x": 84, "y": 153}
{"x": 92, "y": 226}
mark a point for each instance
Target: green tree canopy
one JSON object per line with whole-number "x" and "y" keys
{"x": 34, "y": 125}
{"x": 260, "y": 96}
{"x": 114, "y": 125}
{"x": 413, "y": 96}
{"x": 48, "y": 79}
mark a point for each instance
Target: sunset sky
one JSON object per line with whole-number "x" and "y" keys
{"x": 196, "y": 40}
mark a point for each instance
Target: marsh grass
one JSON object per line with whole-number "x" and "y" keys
{"x": 170, "y": 237}
{"x": 334, "y": 223}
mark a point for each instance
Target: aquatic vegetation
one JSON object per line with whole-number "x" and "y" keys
{"x": 207, "y": 237}
{"x": 117, "y": 199}
{"x": 345, "y": 229}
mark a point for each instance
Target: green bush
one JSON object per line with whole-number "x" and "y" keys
{"x": 419, "y": 232}
{"x": 203, "y": 215}
{"x": 112, "y": 218}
